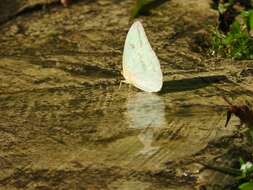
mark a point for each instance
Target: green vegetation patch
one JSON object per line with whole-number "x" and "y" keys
{"x": 237, "y": 43}
{"x": 246, "y": 177}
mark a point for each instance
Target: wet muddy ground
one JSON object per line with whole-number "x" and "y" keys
{"x": 65, "y": 124}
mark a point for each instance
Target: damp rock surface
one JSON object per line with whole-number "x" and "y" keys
{"x": 65, "y": 124}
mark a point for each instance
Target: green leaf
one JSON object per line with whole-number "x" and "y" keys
{"x": 241, "y": 161}
{"x": 250, "y": 20}
{"x": 223, "y": 7}
{"x": 236, "y": 27}
{"x": 246, "y": 186}
{"x": 228, "y": 39}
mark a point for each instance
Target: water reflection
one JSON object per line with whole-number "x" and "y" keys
{"x": 146, "y": 111}
{"x": 146, "y": 137}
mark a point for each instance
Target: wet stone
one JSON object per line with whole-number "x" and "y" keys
{"x": 66, "y": 124}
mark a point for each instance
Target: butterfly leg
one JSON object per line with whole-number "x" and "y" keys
{"x": 122, "y": 81}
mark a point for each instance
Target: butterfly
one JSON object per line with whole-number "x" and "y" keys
{"x": 141, "y": 67}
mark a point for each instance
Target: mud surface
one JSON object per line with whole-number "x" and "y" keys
{"x": 65, "y": 124}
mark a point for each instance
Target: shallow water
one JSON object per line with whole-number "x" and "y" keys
{"x": 124, "y": 136}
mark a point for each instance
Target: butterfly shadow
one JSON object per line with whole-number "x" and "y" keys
{"x": 191, "y": 83}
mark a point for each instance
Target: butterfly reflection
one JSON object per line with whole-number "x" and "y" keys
{"x": 146, "y": 111}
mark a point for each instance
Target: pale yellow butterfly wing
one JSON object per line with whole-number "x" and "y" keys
{"x": 141, "y": 66}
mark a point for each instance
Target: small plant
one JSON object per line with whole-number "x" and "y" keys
{"x": 228, "y": 10}
{"x": 238, "y": 42}
{"x": 246, "y": 176}
{"x": 243, "y": 176}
